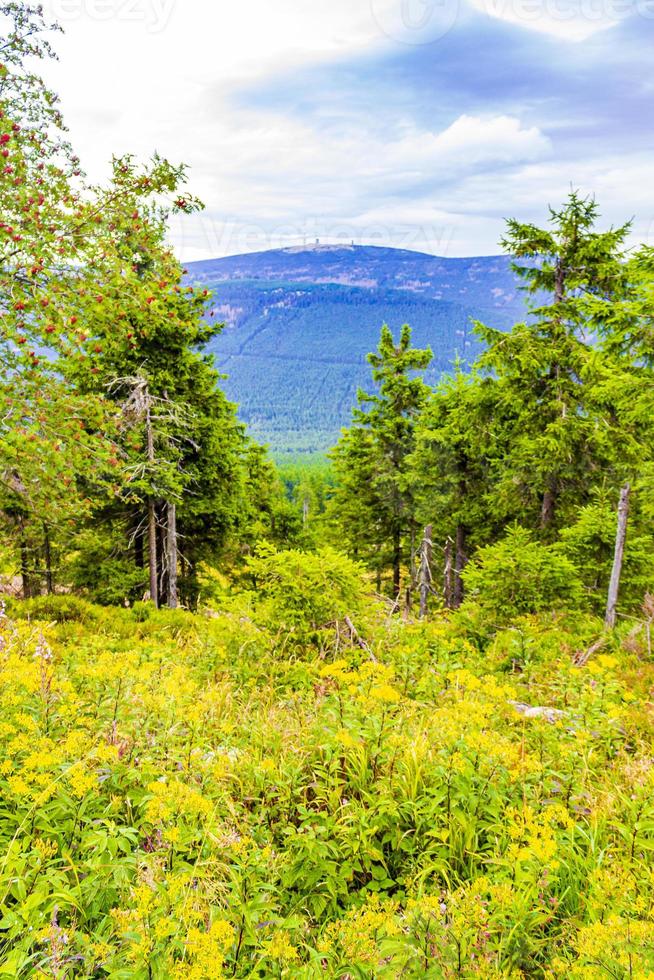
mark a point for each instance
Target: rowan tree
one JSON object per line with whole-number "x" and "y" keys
{"x": 88, "y": 293}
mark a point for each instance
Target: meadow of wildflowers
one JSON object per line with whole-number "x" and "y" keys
{"x": 193, "y": 796}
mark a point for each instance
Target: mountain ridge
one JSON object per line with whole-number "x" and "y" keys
{"x": 364, "y": 263}
{"x": 299, "y": 322}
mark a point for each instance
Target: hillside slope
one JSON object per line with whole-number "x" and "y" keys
{"x": 237, "y": 795}
{"x": 300, "y": 321}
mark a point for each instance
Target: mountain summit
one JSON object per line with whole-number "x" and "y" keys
{"x": 371, "y": 266}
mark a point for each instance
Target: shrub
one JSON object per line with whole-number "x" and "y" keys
{"x": 306, "y": 591}
{"x": 518, "y": 575}
{"x": 55, "y": 609}
{"x": 187, "y": 804}
{"x": 590, "y": 542}
{"x": 111, "y": 582}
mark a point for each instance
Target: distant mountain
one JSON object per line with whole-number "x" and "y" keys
{"x": 300, "y": 321}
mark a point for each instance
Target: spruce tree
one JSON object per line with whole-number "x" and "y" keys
{"x": 181, "y": 447}
{"x": 450, "y": 471}
{"x": 374, "y": 501}
{"x": 544, "y": 370}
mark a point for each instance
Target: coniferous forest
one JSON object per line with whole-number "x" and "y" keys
{"x": 381, "y": 713}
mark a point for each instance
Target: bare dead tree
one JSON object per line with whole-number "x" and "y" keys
{"x": 152, "y": 504}
{"x": 618, "y": 557}
{"x": 357, "y": 639}
{"x": 460, "y": 559}
{"x": 424, "y": 573}
{"x": 142, "y": 407}
{"x": 171, "y": 554}
{"x": 448, "y": 597}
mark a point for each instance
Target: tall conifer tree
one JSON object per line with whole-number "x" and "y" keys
{"x": 374, "y": 501}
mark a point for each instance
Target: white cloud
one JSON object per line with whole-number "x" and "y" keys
{"x": 139, "y": 75}
{"x": 480, "y": 203}
{"x": 279, "y": 181}
{"x": 218, "y": 40}
{"x": 477, "y": 139}
{"x": 464, "y": 218}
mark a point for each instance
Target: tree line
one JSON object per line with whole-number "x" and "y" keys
{"x": 124, "y": 469}
{"x": 516, "y": 465}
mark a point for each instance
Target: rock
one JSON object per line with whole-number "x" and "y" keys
{"x": 534, "y": 711}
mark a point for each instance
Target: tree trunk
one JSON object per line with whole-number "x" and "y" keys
{"x": 47, "y": 552}
{"x": 397, "y": 562}
{"x": 162, "y": 552}
{"x": 447, "y": 575}
{"x": 413, "y": 556}
{"x": 547, "y": 508}
{"x": 171, "y": 542}
{"x": 152, "y": 511}
{"x": 139, "y": 543}
{"x": 460, "y": 559}
{"x": 152, "y": 552}
{"x": 616, "y": 571}
{"x": 424, "y": 575}
{"x": 559, "y": 282}
{"x": 25, "y": 562}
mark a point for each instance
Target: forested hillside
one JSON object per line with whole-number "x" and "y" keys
{"x": 298, "y": 322}
{"x": 385, "y": 713}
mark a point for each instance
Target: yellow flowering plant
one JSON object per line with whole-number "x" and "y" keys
{"x": 190, "y": 796}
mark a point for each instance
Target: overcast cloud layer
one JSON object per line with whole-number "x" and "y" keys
{"x": 415, "y": 123}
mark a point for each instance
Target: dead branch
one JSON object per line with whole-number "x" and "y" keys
{"x": 582, "y": 657}
{"x": 360, "y": 642}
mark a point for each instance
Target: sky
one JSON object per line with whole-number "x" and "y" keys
{"x": 418, "y": 124}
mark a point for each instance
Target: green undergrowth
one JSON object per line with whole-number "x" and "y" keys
{"x": 243, "y": 792}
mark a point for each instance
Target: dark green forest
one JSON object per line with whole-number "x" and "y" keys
{"x": 295, "y": 352}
